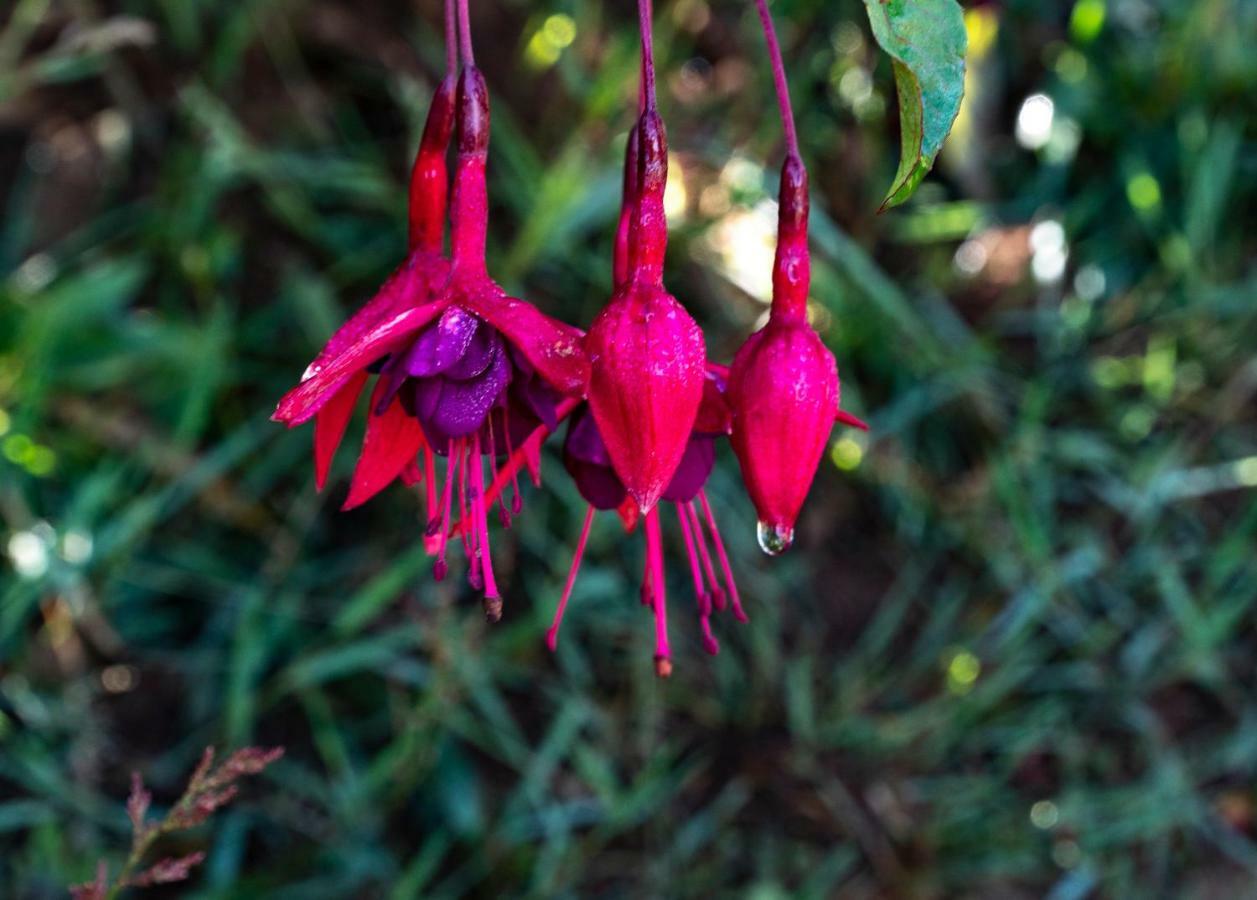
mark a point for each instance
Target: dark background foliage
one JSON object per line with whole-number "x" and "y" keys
{"x": 1013, "y": 652}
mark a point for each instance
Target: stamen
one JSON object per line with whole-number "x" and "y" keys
{"x": 464, "y": 522}
{"x": 552, "y": 636}
{"x": 647, "y": 592}
{"x": 738, "y": 612}
{"x": 517, "y": 501}
{"x": 440, "y": 568}
{"x": 704, "y": 599}
{"x": 717, "y": 595}
{"x": 503, "y": 516}
{"x": 654, "y": 552}
{"x": 429, "y": 489}
{"x": 492, "y": 600}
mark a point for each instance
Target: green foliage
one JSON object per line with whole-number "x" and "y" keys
{"x": 1012, "y": 654}
{"x": 926, "y": 41}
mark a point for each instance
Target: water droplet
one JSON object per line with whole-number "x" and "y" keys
{"x": 774, "y": 539}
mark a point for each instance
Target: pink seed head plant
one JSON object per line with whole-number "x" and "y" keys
{"x": 209, "y": 789}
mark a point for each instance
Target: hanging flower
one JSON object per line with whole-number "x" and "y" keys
{"x": 464, "y": 371}
{"x": 646, "y": 353}
{"x": 783, "y": 384}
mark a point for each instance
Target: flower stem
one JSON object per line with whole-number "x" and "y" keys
{"x": 779, "y": 78}
{"x": 648, "y": 53}
{"x": 464, "y": 27}
{"x": 451, "y": 39}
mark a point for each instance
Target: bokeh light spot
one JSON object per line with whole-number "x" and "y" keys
{"x": 1143, "y": 192}
{"x": 962, "y": 672}
{"x": 847, "y": 454}
{"x": 1087, "y": 20}
{"x": 1034, "y": 121}
{"x": 1044, "y": 814}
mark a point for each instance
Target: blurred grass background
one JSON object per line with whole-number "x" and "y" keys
{"x": 1013, "y": 653}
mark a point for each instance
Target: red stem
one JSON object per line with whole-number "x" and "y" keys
{"x": 451, "y": 39}
{"x": 648, "y": 52}
{"x": 779, "y": 78}
{"x": 464, "y": 22}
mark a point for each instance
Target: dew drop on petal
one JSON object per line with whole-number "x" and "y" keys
{"x": 774, "y": 539}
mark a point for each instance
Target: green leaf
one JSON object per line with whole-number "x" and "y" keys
{"x": 926, "y": 41}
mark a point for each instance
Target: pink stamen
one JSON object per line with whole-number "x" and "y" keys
{"x": 647, "y": 592}
{"x": 492, "y": 599}
{"x": 429, "y": 490}
{"x": 521, "y": 457}
{"x": 470, "y": 533}
{"x": 704, "y": 599}
{"x": 654, "y": 552}
{"x": 441, "y": 568}
{"x": 738, "y": 612}
{"x": 717, "y": 595}
{"x": 517, "y": 501}
{"x": 464, "y": 532}
{"x": 552, "y": 636}
{"x": 503, "y": 516}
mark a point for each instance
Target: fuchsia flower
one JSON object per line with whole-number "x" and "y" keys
{"x": 464, "y": 371}
{"x": 655, "y": 406}
{"x": 783, "y": 384}
{"x": 646, "y": 353}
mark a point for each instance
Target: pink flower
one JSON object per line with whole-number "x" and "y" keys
{"x": 464, "y": 371}
{"x": 783, "y": 384}
{"x": 649, "y": 430}
{"x": 646, "y": 353}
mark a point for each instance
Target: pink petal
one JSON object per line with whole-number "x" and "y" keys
{"x": 329, "y": 424}
{"x": 302, "y": 402}
{"x": 847, "y": 419}
{"x": 552, "y": 347}
{"x": 409, "y": 286}
{"x": 412, "y": 474}
{"x": 391, "y": 443}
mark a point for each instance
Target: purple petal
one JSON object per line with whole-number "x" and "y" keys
{"x": 691, "y": 474}
{"x": 539, "y": 399}
{"x": 586, "y": 460}
{"x": 584, "y": 443}
{"x": 463, "y": 405}
{"x": 443, "y": 344}
{"x": 480, "y": 354}
{"x": 598, "y": 485}
{"x": 424, "y": 398}
{"x": 392, "y": 375}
